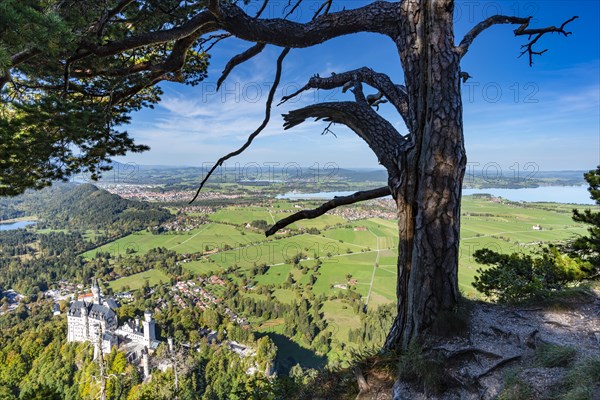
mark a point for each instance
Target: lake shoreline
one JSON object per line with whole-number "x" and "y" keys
{"x": 575, "y": 195}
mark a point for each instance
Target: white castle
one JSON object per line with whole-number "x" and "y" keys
{"x": 92, "y": 316}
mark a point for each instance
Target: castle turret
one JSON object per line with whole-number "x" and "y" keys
{"x": 97, "y": 295}
{"x": 149, "y": 328}
{"x": 145, "y": 363}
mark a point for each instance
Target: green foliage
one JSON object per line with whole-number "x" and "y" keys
{"x": 265, "y": 353}
{"x": 515, "y": 388}
{"x": 581, "y": 380}
{"x": 588, "y": 247}
{"x": 259, "y": 224}
{"x": 59, "y": 105}
{"x": 54, "y": 255}
{"x": 52, "y": 138}
{"x": 549, "y": 355}
{"x": 374, "y": 326}
{"x": 519, "y": 277}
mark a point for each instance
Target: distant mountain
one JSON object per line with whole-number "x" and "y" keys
{"x": 186, "y": 177}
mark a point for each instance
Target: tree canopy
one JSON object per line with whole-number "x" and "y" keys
{"x": 60, "y": 109}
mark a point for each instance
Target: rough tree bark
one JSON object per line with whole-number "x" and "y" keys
{"x": 427, "y": 189}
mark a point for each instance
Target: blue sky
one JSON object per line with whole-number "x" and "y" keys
{"x": 515, "y": 116}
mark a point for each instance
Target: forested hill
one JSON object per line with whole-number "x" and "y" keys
{"x": 88, "y": 207}
{"x": 81, "y": 207}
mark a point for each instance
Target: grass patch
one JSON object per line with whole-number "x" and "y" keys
{"x": 515, "y": 388}
{"x": 582, "y": 380}
{"x": 136, "y": 281}
{"x": 549, "y": 355}
{"x": 569, "y": 298}
{"x": 341, "y": 318}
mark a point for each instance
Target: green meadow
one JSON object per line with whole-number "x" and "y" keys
{"x": 350, "y": 247}
{"x": 136, "y": 281}
{"x": 206, "y": 237}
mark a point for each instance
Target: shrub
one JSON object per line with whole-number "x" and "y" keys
{"x": 517, "y": 277}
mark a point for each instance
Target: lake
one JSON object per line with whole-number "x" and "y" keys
{"x": 9, "y": 226}
{"x": 552, "y": 194}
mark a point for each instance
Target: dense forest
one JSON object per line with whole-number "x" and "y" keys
{"x": 71, "y": 219}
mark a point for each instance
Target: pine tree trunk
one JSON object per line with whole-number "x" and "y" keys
{"x": 428, "y": 188}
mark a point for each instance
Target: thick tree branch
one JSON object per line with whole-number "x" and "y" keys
{"x": 378, "y": 17}
{"x": 239, "y": 59}
{"x": 204, "y": 22}
{"x": 523, "y": 29}
{"x": 396, "y": 94}
{"x": 330, "y": 205}
{"x": 258, "y": 130}
{"x": 172, "y": 65}
{"x": 15, "y": 60}
{"x": 376, "y": 131}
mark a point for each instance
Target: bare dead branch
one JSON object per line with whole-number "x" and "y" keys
{"x": 528, "y": 47}
{"x": 357, "y": 90}
{"x": 330, "y": 205}
{"x": 202, "y": 23}
{"x": 254, "y": 134}
{"x": 292, "y": 9}
{"x": 522, "y": 30}
{"x": 465, "y": 76}
{"x": 379, "y": 134}
{"x": 327, "y": 130}
{"x": 325, "y": 6}
{"x": 239, "y": 59}
{"x": 376, "y": 17}
{"x": 216, "y": 38}
{"x": 16, "y": 59}
{"x": 396, "y": 94}
{"x": 262, "y": 8}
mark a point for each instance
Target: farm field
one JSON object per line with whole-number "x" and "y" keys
{"x": 136, "y": 281}
{"x": 209, "y": 236}
{"x": 351, "y": 247}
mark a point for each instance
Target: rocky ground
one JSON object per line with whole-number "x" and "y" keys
{"x": 506, "y": 340}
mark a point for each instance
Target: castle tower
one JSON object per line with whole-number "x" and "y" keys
{"x": 149, "y": 328}
{"x": 96, "y": 292}
{"x": 145, "y": 364}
